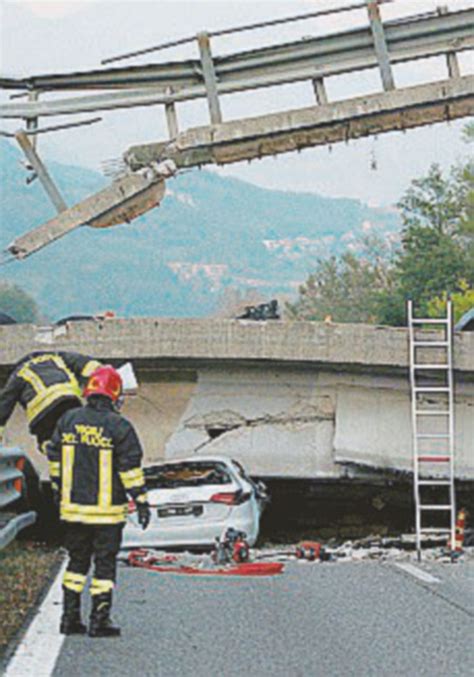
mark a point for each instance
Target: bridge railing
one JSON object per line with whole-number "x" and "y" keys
{"x": 379, "y": 44}
{"x": 12, "y": 480}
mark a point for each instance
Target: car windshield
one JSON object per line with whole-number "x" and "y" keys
{"x": 186, "y": 474}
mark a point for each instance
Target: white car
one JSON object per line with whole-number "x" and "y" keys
{"x": 194, "y": 501}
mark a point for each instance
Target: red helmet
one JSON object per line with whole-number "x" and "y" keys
{"x": 106, "y": 381}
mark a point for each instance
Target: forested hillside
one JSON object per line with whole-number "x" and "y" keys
{"x": 209, "y": 235}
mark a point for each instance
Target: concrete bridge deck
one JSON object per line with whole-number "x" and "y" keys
{"x": 154, "y": 340}
{"x": 288, "y": 399}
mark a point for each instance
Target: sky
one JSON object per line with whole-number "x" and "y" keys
{"x": 75, "y": 35}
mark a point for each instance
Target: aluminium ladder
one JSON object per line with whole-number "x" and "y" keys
{"x": 427, "y": 421}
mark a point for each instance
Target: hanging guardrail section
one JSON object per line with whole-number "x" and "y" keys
{"x": 11, "y": 484}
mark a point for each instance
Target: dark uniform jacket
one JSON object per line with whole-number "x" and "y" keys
{"x": 42, "y": 381}
{"x": 94, "y": 459}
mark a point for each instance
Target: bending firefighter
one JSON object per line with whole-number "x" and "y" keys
{"x": 46, "y": 385}
{"x": 94, "y": 461}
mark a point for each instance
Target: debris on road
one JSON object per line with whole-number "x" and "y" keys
{"x": 203, "y": 565}
{"x": 233, "y": 557}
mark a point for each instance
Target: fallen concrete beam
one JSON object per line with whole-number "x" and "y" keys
{"x": 276, "y": 133}
{"x": 124, "y": 200}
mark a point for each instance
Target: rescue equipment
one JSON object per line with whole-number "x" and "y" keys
{"x": 432, "y": 408}
{"x": 309, "y": 550}
{"x": 144, "y": 559}
{"x": 231, "y": 547}
{"x": 458, "y": 544}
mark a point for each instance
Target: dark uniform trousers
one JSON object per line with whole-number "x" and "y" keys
{"x": 86, "y": 541}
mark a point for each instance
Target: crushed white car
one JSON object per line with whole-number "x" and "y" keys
{"x": 194, "y": 500}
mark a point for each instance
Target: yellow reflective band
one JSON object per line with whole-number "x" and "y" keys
{"x": 32, "y": 378}
{"x": 105, "y": 478}
{"x": 49, "y": 395}
{"x": 90, "y": 367}
{"x": 75, "y": 582}
{"x": 143, "y": 498}
{"x": 100, "y": 586}
{"x": 132, "y": 478}
{"x": 39, "y": 359}
{"x": 2, "y": 430}
{"x": 67, "y": 466}
{"x": 44, "y": 447}
{"x": 54, "y": 468}
{"x": 93, "y": 514}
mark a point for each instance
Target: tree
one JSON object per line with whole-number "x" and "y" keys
{"x": 347, "y": 288}
{"x": 436, "y": 248}
{"x": 14, "y": 301}
{"x": 462, "y": 302}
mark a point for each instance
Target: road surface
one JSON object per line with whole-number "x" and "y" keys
{"x": 329, "y": 619}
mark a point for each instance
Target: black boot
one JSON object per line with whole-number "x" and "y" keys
{"x": 71, "y": 618}
{"x": 100, "y": 624}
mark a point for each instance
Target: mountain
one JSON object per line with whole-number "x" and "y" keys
{"x": 209, "y": 233}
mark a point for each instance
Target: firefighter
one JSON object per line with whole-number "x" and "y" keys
{"x": 94, "y": 461}
{"x": 46, "y": 384}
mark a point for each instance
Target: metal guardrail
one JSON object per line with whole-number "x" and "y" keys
{"x": 406, "y": 39}
{"x": 11, "y": 483}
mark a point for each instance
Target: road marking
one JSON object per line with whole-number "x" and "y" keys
{"x": 418, "y": 573}
{"x": 39, "y": 649}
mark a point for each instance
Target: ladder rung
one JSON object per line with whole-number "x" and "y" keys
{"x": 427, "y": 344}
{"x": 434, "y": 482}
{"x": 434, "y": 459}
{"x": 431, "y": 366}
{"x": 435, "y": 507}
{"x": 435, "y": 530}
{"x": 429, "y": 320}
{"x": 432, "y": 389}
{"x": 433, "y": 412}
{"x": 434, "y": 436}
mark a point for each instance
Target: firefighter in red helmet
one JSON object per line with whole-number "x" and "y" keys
{"x": 94, "y": 461}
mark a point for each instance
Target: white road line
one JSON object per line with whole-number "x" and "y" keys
{"x": 418, "y": 573}
{"x": 39, "y": 649}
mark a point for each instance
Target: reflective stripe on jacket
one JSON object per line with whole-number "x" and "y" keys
{"x": 42, "y": 380}
{"x": 94, "y": 459}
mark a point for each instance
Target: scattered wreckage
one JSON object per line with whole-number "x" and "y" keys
{"x": 232, "y": 555}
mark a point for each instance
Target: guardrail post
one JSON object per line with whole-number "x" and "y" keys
{"x": 380, "y": 44}
{"x": 209, "y": 75}
{"x": 451, "y": 57}
{"x": 171, "y": 116}
{"x": 32, "y": 123}
{"x": 320, "y": 91}
{"x": 43, "y": 174}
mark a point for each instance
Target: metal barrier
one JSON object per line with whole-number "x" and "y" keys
{"x": 12, "y": 462}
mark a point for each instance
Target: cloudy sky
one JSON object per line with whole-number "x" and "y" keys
{"x": 75, "y": 35}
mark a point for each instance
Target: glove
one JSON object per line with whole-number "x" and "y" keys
{"x": 144, "y": 515}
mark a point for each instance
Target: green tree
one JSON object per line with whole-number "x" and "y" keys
{"x": 435, "y": 252}
{"x": 346, "y": 288}
{"x": 462, "y": 302}
{"x": 16, "y": 303}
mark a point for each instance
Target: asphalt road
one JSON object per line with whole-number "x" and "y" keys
{"x": 315, "y": 619}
